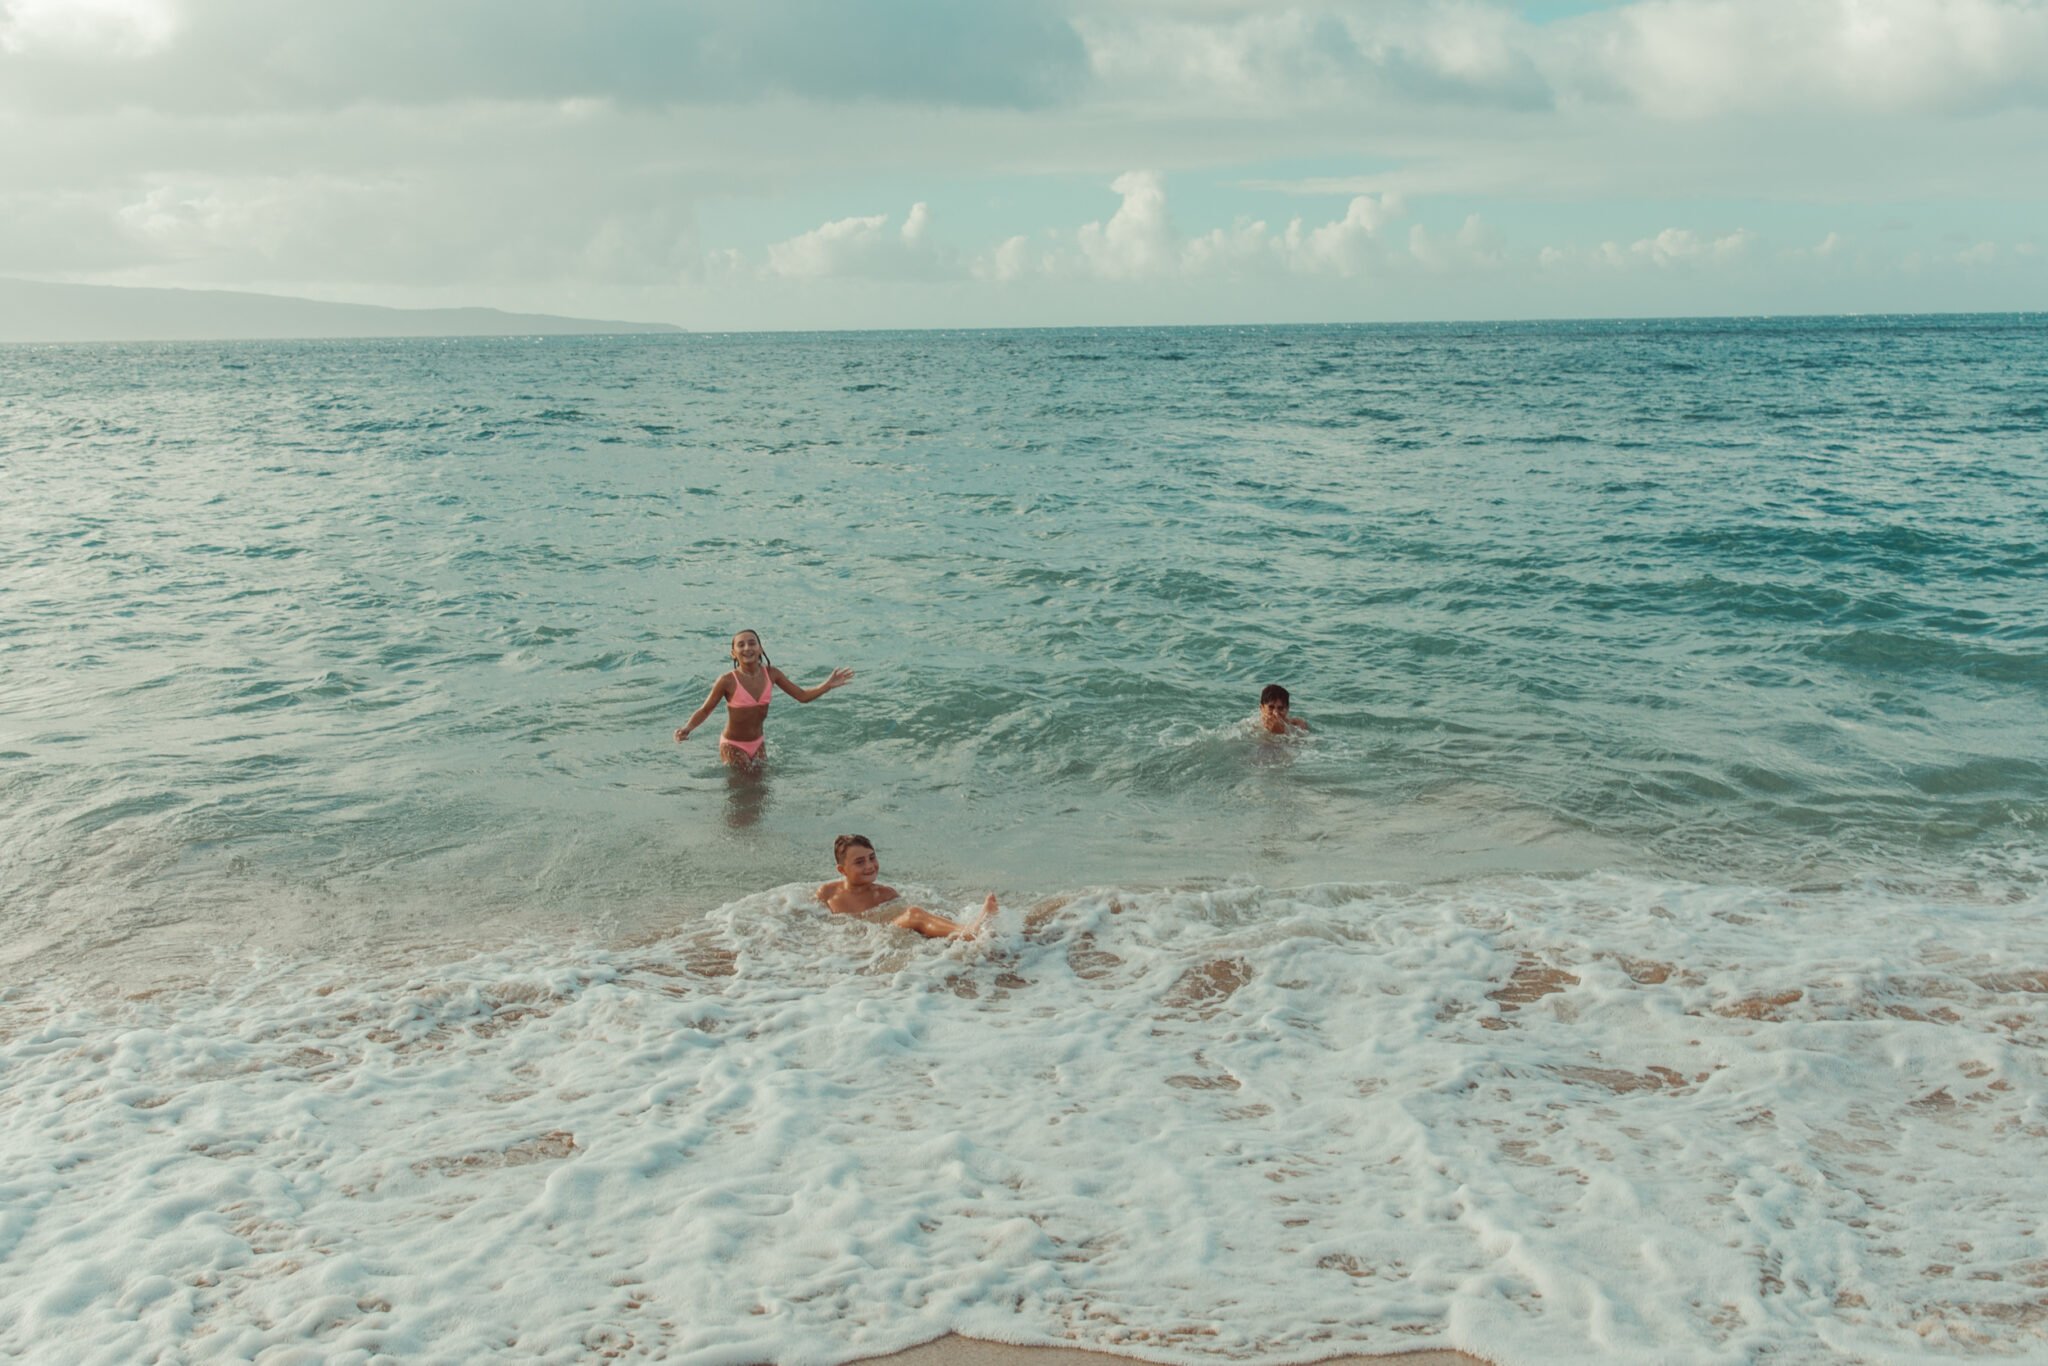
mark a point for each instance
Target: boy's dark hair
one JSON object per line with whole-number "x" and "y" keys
{"x": 1273, "y": 692}
{"x": 846, "y": 842}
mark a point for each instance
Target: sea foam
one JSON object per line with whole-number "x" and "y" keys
{"x": 1532, "y": 1118}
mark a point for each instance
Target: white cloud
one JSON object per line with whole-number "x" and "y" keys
{"x": 1831, "y": 249}
{"x": 1343, "y": 246}
{"x": 513, "y": 148}
{"x": 860, "y": 248}
{"x": 1474, "y": 244}
{"x": 1138, "y": 239}
{"x": 1682, "y": 59}
{"x": 85, "y": 29}
{"x": 1258, "y": 56}
{"x": 1673, "y": 247}
{"x": 1009, "y": 260}
{"x": 1698, "y": 58}
{"x": 1139, "y": 242}
{"x": 254, "y": 56}
{"x": 915, "y": 223}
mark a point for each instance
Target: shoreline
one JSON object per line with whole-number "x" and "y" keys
{"x": 954, "y": 1349}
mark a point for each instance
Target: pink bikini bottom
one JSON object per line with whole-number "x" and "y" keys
{"x": 750, "y": 748}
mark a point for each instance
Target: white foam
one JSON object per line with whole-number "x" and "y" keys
{"x": 1187, "y": 1125}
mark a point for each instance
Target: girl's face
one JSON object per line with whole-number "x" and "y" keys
{"x": 746, "y": 650}
{"x": 860, "y": 867}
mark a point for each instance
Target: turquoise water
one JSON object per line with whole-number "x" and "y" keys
{"x": 1645, "y": 958}
{"x": 327, "y": 644}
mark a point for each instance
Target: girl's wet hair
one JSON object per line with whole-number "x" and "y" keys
{"x": 846, "y": 842}
{"x": 750, "y": 631}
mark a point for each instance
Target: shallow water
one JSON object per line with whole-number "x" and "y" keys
{"x": 362, "y": 639}
{"x": 1646, "y": 949}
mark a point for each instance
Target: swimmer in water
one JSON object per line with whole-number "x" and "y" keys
{"x": 746, "y": 689}
{"x": 856, "y": 891}
{"x": 1274, "y": 718}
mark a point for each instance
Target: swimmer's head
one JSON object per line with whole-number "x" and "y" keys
{"x": 856, "y": 859}
{"x": 746, "y": 650}
{"x": 1273, "y": 704}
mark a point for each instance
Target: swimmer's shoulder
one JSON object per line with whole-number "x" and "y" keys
{"x": 830, "y": 893}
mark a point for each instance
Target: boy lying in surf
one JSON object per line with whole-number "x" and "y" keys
{"x": 857, "y": 891}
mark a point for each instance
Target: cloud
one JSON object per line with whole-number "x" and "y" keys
{"x": 250, "y": 56}
{"x": 1669, "y": 249}
{"x": 1832, "y": 248}
{"x": 1678, "y": 59}
{"x": 1343, "y": 246}
{"x": 525, "y": 145}
{"x": 1346, "y": 247}
{"x": 1138, "y": 243}
{"x": 1474, "y": 244}
{"x": 862, "y": 248}
{"x": 1138, "y": 240}
{"x": 85, "y": 30}
{"x": 1707, "y": 57}
{"x": 1253, "y": 55}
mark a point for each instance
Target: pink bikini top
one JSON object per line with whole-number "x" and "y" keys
{"x": 739, "y": 696}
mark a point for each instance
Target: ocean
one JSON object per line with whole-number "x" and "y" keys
{"x": 1643, "y": 954}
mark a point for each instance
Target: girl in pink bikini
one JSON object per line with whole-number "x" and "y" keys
{"x": 746, "y": 690}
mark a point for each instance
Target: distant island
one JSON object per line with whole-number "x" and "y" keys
{"x": 33, "y": 311}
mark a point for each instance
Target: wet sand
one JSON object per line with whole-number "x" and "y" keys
{"x": 953, "y": 1350}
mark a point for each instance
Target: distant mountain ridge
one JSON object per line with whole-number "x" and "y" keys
{"x": 35, "y": 311}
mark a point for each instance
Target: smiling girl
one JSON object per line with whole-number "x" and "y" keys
{"x": 745, "y": 689}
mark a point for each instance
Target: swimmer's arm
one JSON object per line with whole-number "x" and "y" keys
{"x": 1297, "y": 723}
{"x": 839, "y": 678}
{"x": 718, "y": 690}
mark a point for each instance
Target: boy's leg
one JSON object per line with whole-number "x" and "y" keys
{"x": 925, "y": 923}
{"x": 939, "y": 927}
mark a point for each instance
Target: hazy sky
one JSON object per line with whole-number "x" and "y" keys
{"x": 901, "y": 163}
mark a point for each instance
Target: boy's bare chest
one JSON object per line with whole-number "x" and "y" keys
{"x": 858, "y": 901}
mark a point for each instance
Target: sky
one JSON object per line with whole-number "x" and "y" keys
{"x": 774, "y": 164}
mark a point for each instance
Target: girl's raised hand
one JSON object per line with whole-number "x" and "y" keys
{"x": 839, "y": 679}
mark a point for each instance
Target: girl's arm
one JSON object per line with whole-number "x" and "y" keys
{"x": 838, "y": 679}
{"x": 697, "y": 717}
